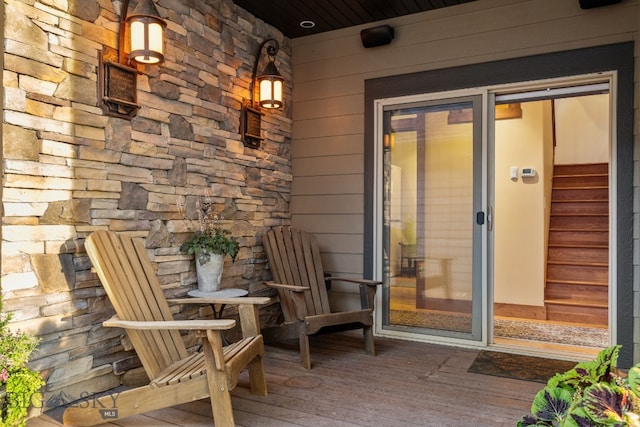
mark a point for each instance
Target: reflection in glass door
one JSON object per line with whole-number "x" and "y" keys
{"x": 432, "y": 218}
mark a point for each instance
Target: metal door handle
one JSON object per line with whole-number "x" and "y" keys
{"x": 480, "y": 217}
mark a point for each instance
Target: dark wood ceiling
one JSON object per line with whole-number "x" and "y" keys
{"x": 286, "y": 15}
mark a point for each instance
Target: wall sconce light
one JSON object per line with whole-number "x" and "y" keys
{"x": 270, "y": 89}
{"x": 117, "y": 72}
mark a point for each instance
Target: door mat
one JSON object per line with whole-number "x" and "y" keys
{"x": 519, "y": 367}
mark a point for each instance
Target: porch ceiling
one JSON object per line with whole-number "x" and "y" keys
{"x": 286, "y": 15}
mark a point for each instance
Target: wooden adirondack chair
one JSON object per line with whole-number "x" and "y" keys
{"x": 294, "y": 259}
{"x": 176, "y": 376}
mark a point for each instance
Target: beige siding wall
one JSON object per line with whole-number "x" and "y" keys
{"x": 329, "y": 74}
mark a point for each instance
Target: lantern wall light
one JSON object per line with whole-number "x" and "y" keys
{"x": 117, "y": 71}
{"x": 270, "y": 94}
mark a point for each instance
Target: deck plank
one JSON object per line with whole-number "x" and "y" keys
{"x": 405, "y": 384}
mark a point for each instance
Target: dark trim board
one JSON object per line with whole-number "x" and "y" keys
{"x": 616, "y": 57}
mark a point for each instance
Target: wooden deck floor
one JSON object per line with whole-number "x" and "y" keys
{"x": 406, "y": 384}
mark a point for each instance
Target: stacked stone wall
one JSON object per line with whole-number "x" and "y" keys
{"x": 69, "y": 170}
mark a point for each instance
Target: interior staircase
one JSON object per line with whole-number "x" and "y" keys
{"x": 578, "y": 259}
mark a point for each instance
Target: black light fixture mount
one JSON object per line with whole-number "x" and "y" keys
{"x": 117, "y": 72}
{"x": 270, "y": 88}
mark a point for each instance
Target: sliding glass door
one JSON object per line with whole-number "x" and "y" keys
{"x": 451, "y": 272}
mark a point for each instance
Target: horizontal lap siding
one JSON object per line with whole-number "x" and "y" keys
{"x": 340, "y": 165}
{"x": 331, "y": 224}
{"x": 328, "y": 184}
{"x": 330, "y": 70}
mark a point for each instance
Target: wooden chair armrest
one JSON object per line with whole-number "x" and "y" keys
{"x": 358, "y": 281}
{"x": 221, "y": 324}
{"x": 295, "y": 294}
{"x": 368, "y": 289}
{"x": 293, "y": 288}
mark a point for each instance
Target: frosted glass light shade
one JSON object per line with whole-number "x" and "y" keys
{"x": 147, "y": 39}
{"x": 271, "y": 93}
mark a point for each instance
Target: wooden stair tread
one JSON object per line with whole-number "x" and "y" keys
{"x": 579, "y": 201}
{"x": 582, "y": 187}
{"x": 581, "y": 230}
{"x": 581, "y": 175}
{"x": 576, "y": 282}
{"x": 578, "y": 263}
{"x": 578, "y": 214}
{"x": 565, "y": 238}
{"x": 577, "y": 302}
{"x": 577, "y": 246}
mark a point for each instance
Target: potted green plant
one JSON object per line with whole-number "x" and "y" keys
{"x": 202, "y": 244}
{"x": 593, "y": 393}
{"x": 209, "y": 244}
{"x": 19, "y": 385}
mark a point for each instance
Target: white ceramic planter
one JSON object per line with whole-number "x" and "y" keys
{"x": 210, "y": 274}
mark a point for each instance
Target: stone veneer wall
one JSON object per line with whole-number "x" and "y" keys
{"x": 69, "y": 170}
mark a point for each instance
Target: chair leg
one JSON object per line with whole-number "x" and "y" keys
{"x": 257, "y": 379}
{"x": 220, "y": 399}
{"x": 305, "y": 353}
{"x": 369, "y": 345}
{"x": 217, "y": 380}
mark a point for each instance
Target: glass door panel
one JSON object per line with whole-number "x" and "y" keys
{"x": 433, "y": 219}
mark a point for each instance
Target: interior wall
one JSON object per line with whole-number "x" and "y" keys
{"x": 582, "y": 129}
{"x": 520, "y": 207}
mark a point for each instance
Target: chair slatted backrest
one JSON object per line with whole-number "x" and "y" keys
{"x": 127, "y": 275}
{"x": 294, "y": 259}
